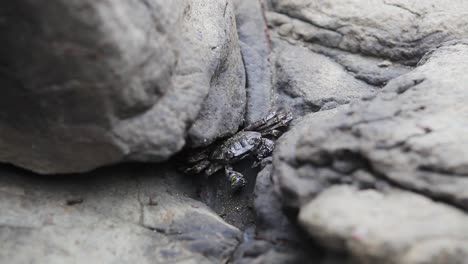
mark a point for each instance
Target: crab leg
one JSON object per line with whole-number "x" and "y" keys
{"x": 199, "y": 167}
{"x": 257, "y": 124}
{"x": 214, "y": 167}
{"x": 271, "y": 122}
{"x": 282, "y": 122}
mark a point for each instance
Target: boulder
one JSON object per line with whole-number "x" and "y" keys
{"x": 411, "y": 134}
{"x": 256, "y": 50}
{"x": 386, "y": 227}
{"x": 308, "y": 82}
{"x": 397, "y": 30}
{"x": 399, "y": 150}
{"x": 90, "y": 83}
{"x": 131, "y": 214}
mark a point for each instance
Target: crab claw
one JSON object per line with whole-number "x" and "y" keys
{"x": 237, "y": 182}
{"x": 236, "y": 179}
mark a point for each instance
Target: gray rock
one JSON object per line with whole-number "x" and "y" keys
{"x": 309, "y": 82}
{"x": 371, "y": 70}
{"x": 272, "y": 224}
{"x": 294, "y": 185}
{"x": 278, "y": 238}
{"x": 393, "y": 29}
{"x": 412, "y": 134}
{"x": 255, "y": 48}
{"x": 89, "y": 83}
{"x": 393, "y": 227}
{"x": 223, "y": 110}
{"x": 128, "y": 214}
{"x": 408, "y": 144}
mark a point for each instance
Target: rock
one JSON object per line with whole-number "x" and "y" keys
{"x": 309, "y": 82}
{"x": 406, "y": 144}
{"x": 272, "y": 224}
{"x": 412, "y": 134}
{"x": 255, "y": 48}
{"x": 385, "y": 227}
{"x": 223, "y": 109}
{"x": 281, "y": 240}
{"x": 278, "y": 238}
{"x": 89, "y": 83}
{"x": 129, "y": 213}
{"x": 373, "y": 71}
{"x": 294, "y": 190}
{"x": 396, "y": 30}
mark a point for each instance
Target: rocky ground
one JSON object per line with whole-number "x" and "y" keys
{"x": 100, "y": 98}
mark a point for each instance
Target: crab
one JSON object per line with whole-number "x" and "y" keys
{"x": 255, "y": 140}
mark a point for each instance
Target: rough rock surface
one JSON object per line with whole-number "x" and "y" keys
{"x": 88, "y": 83}
{"x": 276, "y": 238}
{"x": 309, "y": 82}
{"x": 398, "y": 30}
{"x": 410, "y": 136}
{"x": 372, "y": 70}
{"x": 378, "y": 172}
{"x": 390, "y": 227}
{"x": 130, "y": 214}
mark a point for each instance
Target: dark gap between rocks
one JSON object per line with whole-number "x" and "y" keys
{"x": 236, "y": 208}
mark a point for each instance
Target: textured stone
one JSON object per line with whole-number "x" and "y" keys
{"x": 277, "y": 237}
{"x": 88, "y": 83}
{"x": 372, "y": 70}
{"x": 393, "y": 29}
{"x": 128, "y": 214}
{"x": 408, "y": 138}
{"x": 309, "y": 82}
{"x": 411, "y": 134}
{"x": 385, "y": 227}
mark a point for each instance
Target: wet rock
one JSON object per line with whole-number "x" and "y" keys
{"x": 129, "y": 213}
{"x": 385, "y": 227}
{"x": 255, "y": 48}
{"x": 89, "y": 83}
{"x": 393, "y": 29}
{"x": 309, "y": 82}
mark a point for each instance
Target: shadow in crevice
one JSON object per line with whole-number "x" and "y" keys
{"x": 236, "y": 208}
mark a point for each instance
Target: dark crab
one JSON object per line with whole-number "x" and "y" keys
{"x": 254, "y": 140}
